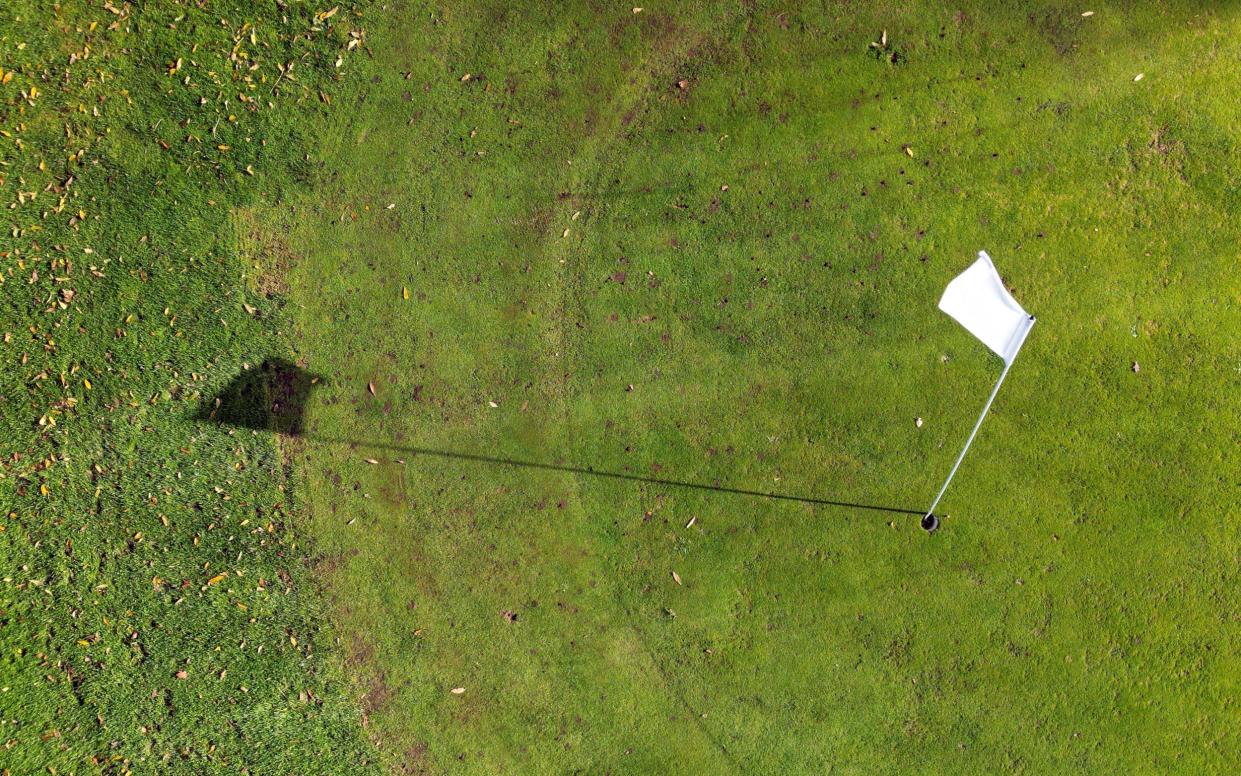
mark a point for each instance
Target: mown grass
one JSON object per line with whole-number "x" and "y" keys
{"x": 704, "y": 243}
{"x": 157, "y": 613}
{"x": 697, "y": 243}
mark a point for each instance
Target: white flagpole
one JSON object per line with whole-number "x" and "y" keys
{"x": 1008, "y": 364}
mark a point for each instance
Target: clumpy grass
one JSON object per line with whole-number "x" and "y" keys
{"x": 157, "y": 612}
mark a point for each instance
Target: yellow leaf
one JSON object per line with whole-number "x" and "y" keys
{"x": 405, "y": 292}
{"x": 43, "y": 489}
{"x": 86, "y": 383}
{"x": 217, "y": 579}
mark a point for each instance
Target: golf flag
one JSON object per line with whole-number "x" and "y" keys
{"x": 978, "y": 301}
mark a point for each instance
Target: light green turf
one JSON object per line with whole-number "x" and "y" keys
{"x": 1078, "y": 610}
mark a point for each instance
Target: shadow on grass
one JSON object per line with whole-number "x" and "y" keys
{"x": 588, "y": 471}
{"x": 273, "y": 398}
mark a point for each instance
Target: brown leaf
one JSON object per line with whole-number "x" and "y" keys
{"x": 676, "y": 577}
{"x": 371, "y": 387}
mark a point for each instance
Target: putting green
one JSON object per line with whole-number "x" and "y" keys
{"x": 704, "y": 245}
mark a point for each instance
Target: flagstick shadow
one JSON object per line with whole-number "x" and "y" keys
{"x": 494, "y": 460}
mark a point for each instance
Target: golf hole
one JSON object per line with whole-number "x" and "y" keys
{"x": 930, "y": 523}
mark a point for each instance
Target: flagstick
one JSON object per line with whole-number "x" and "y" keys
{"x": 1007, "y": 365}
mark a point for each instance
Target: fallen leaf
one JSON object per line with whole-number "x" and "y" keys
{"x": 691, "y": 522}
{"x": 371, "y": 387}
{"x": 217, "y": 579}
{"x": 676, "y": 577}
{"x": 1087, "y": 13}
{"x": 458, "y": 690}
{"x": 404, "y": 292}
{"x": 918, "y": 422}
{"x": 372, "y": 461}
{"x": 182, "y": 674}
{"x": 1139, "y": 77}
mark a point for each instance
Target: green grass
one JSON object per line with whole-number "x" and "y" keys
{"x": 1078, "y": 610}
{"x": 135, "y": 542}
{"x": 585, "y": 293}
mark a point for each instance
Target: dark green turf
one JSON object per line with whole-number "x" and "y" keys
{"x": 137, "y": 542}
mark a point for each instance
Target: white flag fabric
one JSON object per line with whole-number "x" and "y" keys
{"x": 978, "y": 301}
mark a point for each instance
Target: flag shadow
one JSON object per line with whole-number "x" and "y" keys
{"x": 591, "y": 472}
